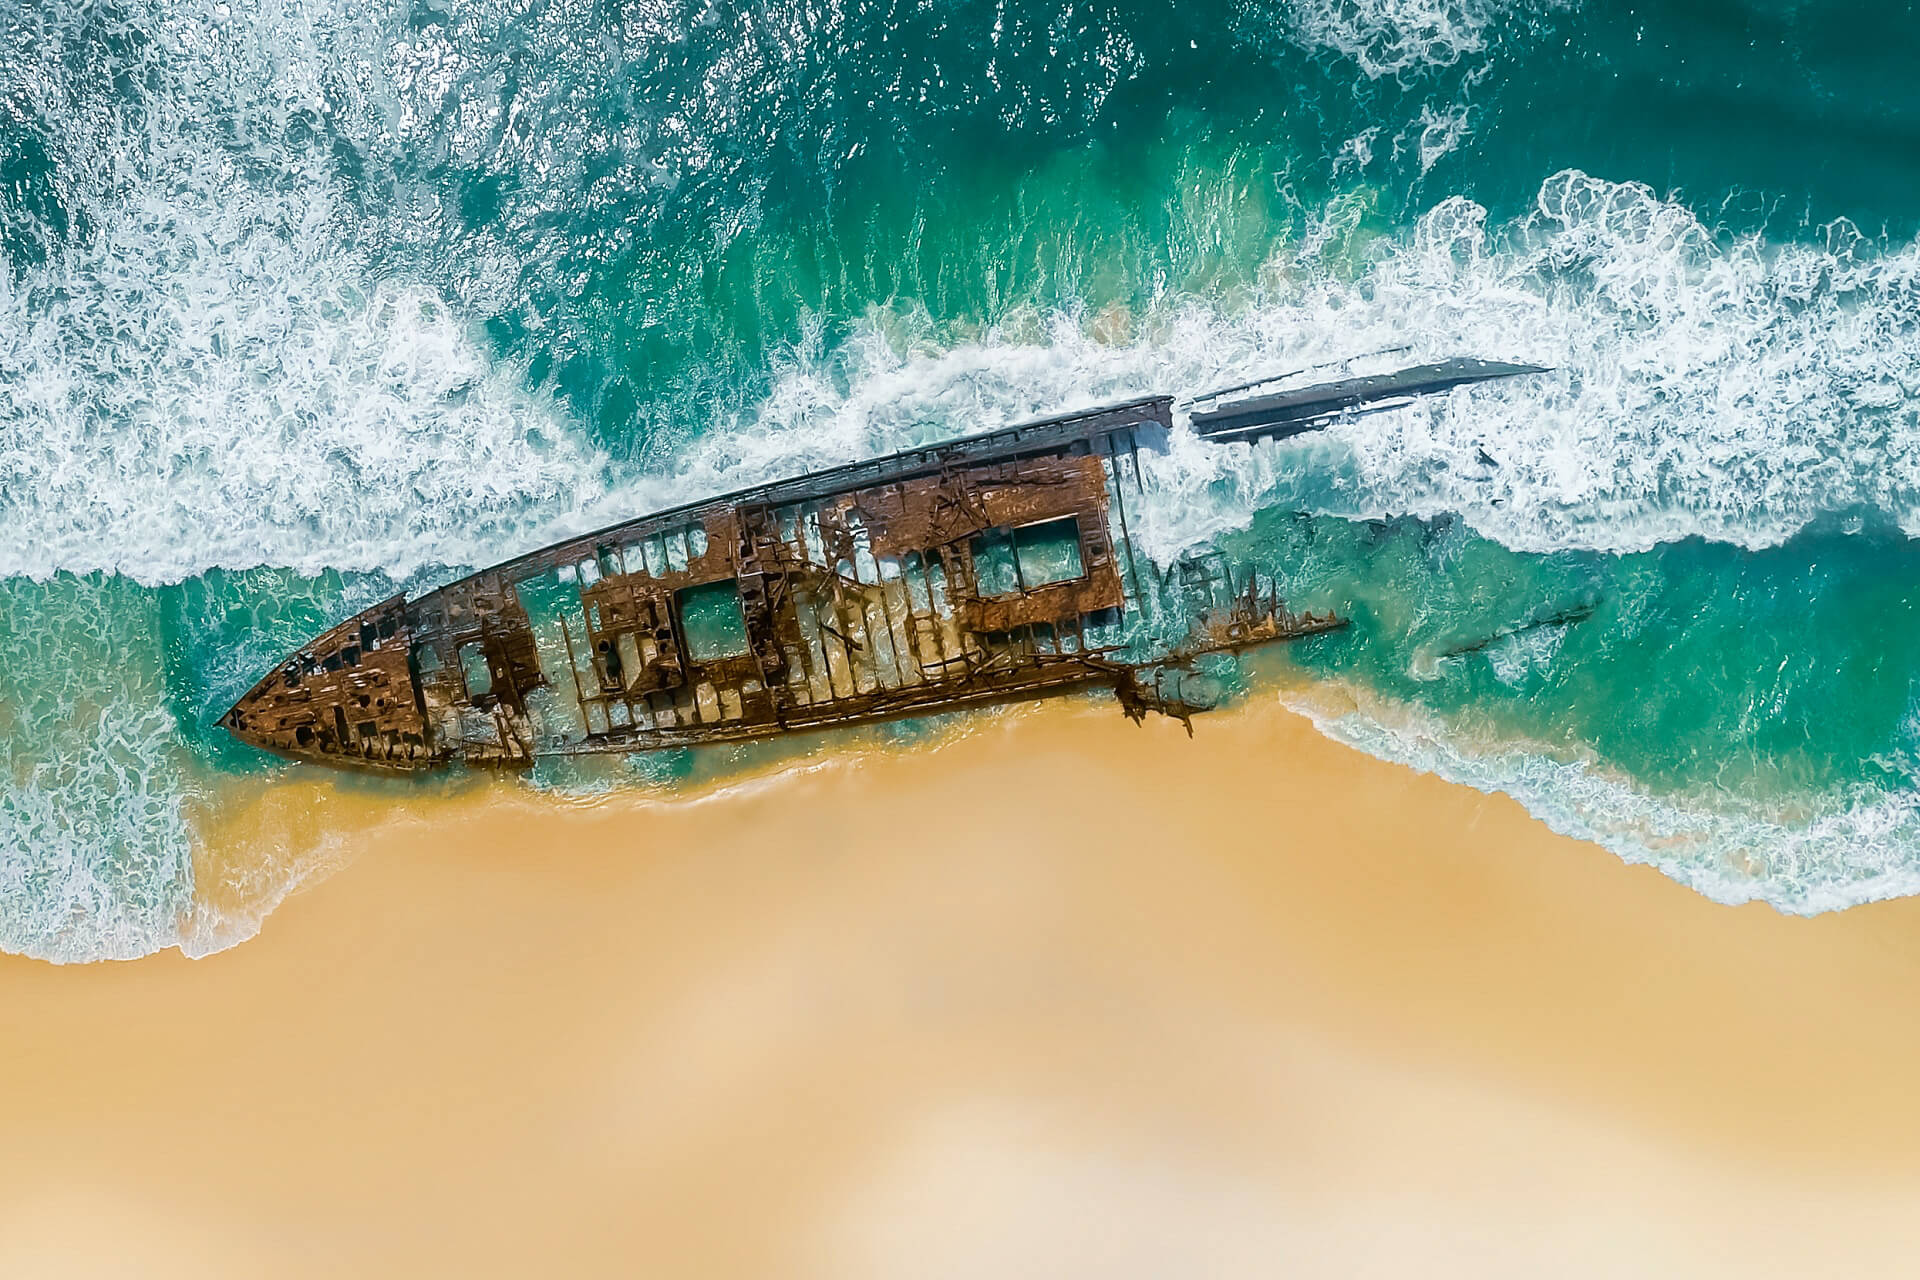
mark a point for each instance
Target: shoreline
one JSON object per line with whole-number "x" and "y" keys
{"x": 1052, "y": 990}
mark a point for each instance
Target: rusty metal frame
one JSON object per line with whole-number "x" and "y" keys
{"x": 858, "y": 594}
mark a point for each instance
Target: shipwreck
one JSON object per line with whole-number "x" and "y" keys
{"x": 988, "y": 568}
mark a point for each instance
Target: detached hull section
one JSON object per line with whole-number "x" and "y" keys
{"x": 1279, "y": 415}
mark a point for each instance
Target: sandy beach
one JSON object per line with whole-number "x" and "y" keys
{"x": 1058, "y": 997}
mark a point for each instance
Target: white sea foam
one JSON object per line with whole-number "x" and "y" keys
{"x": 1703, "y": 385}
{"x": 95, "y": 860}
{"x": 210, "y": 375}
{"x": 1722, "y": 387}
{"x": 102, "y": 795}
{"x": 1439, "y": 133}
{"x": 1400, "y": 38}
{"x": 284, "y": 418}
{"x": 1835, "y": 851}
{"x": 215, "y": 369}
{"x": 206, "y": 359}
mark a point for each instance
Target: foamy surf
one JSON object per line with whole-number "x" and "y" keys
{"x": 1705, "y": 384}
{"x": 1387, "y": 39}
{"x": 223, "y": 371}
{"x": 1821, "y": 853}
{"x": 90, "y": 765}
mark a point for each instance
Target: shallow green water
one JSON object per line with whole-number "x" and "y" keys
{"x": 306, "y": 301}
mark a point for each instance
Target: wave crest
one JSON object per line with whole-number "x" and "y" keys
{"x": 1838, "y": 850}
{"x": 1705, "y": 384}
{"x": 1400, "y": 38}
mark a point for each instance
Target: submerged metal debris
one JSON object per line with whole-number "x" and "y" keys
{"x": 990, "y": 568}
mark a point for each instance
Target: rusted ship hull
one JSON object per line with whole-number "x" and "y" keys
{"x": 994, "y": 567}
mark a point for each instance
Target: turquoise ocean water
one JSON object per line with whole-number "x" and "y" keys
{"x": 303, "y": 301}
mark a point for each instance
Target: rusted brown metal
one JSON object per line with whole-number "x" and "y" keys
{"x": 982, "y": 570}
{"x": 989, "y": 568}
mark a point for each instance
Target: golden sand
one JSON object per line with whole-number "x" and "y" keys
{"x": 1058, "y": 998}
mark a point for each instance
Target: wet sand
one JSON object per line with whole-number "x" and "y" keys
{"x": 1060, "y": 997}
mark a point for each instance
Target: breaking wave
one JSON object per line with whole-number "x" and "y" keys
{"x": 108, "y": 794}
{"x": 213, "y": 369}
{"x": 90, "y": 761}
{"x": 1703, "y": 385}
{"x": 1401, "y": 38}
{"x": 207, "y": 369}
{"x": 242, "y": 297}
{"x": 1822, "y": 853}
